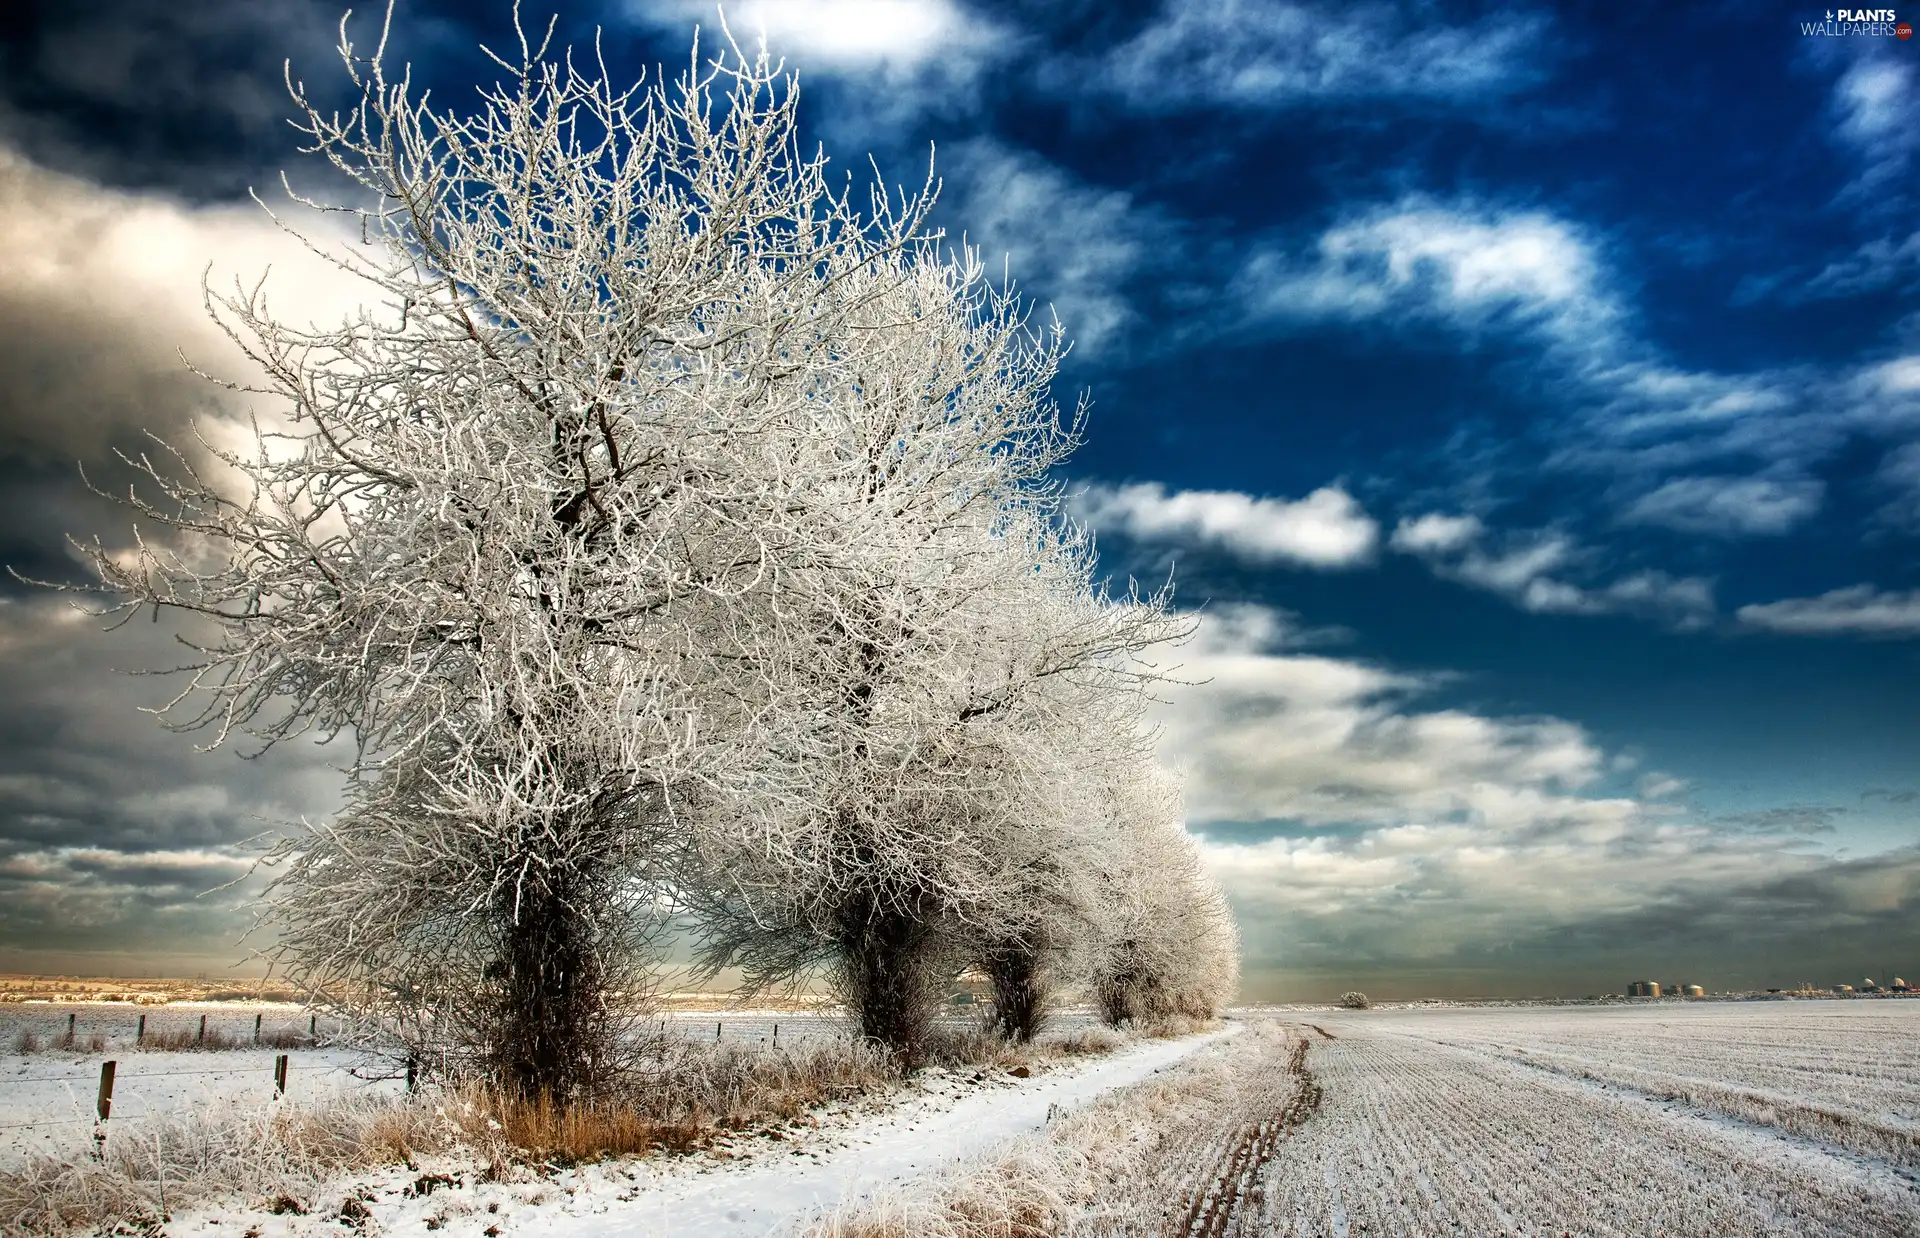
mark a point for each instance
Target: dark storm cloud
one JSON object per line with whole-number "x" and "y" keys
{"x": 1831, "y": 922}
{"x": 112, "y": 830}
{"x": 107, "y": 820}
{"x": 186, "y": 96}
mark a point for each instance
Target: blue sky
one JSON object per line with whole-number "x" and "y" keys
{"x": 1530, "y": 397}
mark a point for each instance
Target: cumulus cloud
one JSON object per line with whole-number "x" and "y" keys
{"x": 100, "y": 293}
{"x": 1269, "y": 54}
{"x": 1326, "y": 529}
{"x": 894, "y": 33}
{"x": 1859, "y": 610}
{"x": 1468, "y": 266}
{"x": 111, "y": 828}
{"x": 1530, "y": 569}
{"x": 1727, "y": 506}
{"x": 1358, "y": 830}
{"x": 908, "y": 57}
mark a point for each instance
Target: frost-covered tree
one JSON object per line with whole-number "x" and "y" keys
{"x": 671, "y": 531}
{"x": 921, "y": 799}
{"x": 511, "y": 526}
{"x": 1166, "y": 945}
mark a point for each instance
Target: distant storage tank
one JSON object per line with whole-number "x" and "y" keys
{"x": 1900, "y": 986}
{"x": 1843, "y": 988}
{"x": 1694, "y": 990}
{"x": 1868, "y": 986}
{"x": 1644, "y": 988}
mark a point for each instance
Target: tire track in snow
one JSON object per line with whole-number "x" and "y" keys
{"x": 1235, "y": 1189}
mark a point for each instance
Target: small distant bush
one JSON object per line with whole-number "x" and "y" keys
{"x": 1356, "y": 1001}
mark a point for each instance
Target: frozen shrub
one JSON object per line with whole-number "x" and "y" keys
{"x": 1355, "y": 1001}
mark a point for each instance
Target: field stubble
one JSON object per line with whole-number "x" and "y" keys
{"x": 1526, "y": 1124}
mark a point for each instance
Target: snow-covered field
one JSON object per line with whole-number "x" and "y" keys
{"x": 1679, "y": 1119}
{"x": 1676, "y": 1119}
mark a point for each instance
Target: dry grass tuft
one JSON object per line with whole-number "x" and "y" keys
{"x": 974, "y": 1046}
{"x": 684, "y": 1097}
{"x": 1027, "y": 1193}
{"x": 150, "y": 1167}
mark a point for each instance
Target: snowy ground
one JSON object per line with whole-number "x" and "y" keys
{"x": 117, "y": 1024}
{"x": 750, "y": 1188}
{"x": 1709, "y": 1121}
{"x": 1677, "y": 1120}
{"x": 47, "y": 1099}
{"x": 1691, "y": 1120}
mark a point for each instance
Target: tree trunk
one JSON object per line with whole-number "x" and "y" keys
{"x": 1019, "y": 991}
{"x": 890, "y": 975}
{"x": 552, "y": 1015}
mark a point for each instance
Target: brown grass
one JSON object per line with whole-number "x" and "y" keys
{"x": 685, "y": 1097}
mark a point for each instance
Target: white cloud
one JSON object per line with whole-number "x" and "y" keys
{"x": 1273, "y": 53}
{"x": 1487, "y": 826}
{"x": 1528, "y": 569}
{"x": 1464, "y": 265}
{"x": 1436, "y": 533}
{"x": 1327, "y": 529}
{"x": 1859, "y": 610}
{"x": 1728, "y": 506}
{"x": 1900, "y": 376}
{"x": 835, "y": 33}
{"x": 1476, "y": 267}
{"x": 1067, "y": 243}
{"x": 1325, "y": 740}
{"x": 909, "y": 58}
{"x": 1875, "y": 106}
{"x": 1873, "y": 101}
{"x": 1880, "y": 263}
{"x": 1654, "y": 785}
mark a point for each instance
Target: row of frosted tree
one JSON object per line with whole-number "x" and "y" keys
{"x": 675, "y": 539}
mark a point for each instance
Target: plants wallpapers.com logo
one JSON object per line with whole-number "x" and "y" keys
{"x": 1867, "y": 23}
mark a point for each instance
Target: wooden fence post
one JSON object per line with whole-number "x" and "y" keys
{"x": 103, "y": 1103}
{"x": 70, "y": 1018}
{"x": 412, "y": 1074}
{"x": 256, "y": 1029}
{"x": 313, "y": 1025}
{"x": 716, "y": 1032}
{"x": 280, "y": 1075}
{"x": 140, "y": 1033}
{"x": 776, "y": 1035}
{"x": 202, "y": 1037}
